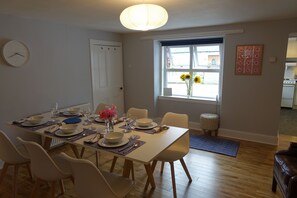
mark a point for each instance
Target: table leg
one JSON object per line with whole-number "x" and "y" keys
{"x": 127, "y": 168}
{"x": 75, "y": 151}
{"x": 47, "y": 143}
{"x": 150, "y": 176}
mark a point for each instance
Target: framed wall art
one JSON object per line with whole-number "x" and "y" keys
{"x": 249, "y": 59}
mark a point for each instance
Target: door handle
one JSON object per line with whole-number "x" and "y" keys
{"x": 121, "y": 88}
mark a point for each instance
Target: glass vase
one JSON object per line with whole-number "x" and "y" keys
{"x": 189, "y": 92}
{"x": 109, "y": 125}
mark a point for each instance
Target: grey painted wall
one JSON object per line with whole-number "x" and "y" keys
{"x": 249, "y": 103}
{"x": 58, "y": 69}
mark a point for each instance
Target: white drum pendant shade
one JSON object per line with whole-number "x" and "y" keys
{"x": 144, "y": 17}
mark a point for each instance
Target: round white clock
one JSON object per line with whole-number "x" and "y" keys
{"x": 15, "y": 53}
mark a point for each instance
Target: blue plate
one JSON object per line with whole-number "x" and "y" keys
{"x": 72, "y": 120}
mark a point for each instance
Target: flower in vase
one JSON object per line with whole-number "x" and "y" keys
{"x": 108, "y": 113}
{"x": 187, "y": 78}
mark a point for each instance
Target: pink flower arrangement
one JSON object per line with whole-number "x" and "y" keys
{"x": 108, "y": 113}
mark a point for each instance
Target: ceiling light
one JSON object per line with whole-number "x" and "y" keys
{"x": 144, "y": 17}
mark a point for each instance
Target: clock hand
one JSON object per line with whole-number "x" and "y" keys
{"x": 12, "y": 55}
{"x": 16, "y": 54}
{"x": 20, "y": 54}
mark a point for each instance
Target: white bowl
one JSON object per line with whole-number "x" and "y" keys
{"x": 73, "y": 110}
{"x": 68, "y": 128}
{"x": 113, "y": 137}
{"x": 144, "y": 122}
{"x": 35, "y": 119}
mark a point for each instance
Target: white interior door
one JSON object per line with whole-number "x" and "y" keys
{"x": 107, "y": 73}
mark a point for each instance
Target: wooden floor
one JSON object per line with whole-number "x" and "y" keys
{"x": 214, "y": 176}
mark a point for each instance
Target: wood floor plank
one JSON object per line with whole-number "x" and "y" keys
{"x": 249, "y": 175}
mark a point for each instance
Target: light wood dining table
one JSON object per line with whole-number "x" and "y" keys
{"x": 153, "y": 146}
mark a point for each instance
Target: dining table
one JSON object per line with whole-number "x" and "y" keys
{"x": 139, "y": 144}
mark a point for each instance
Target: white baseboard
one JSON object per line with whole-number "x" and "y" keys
{"x": 253, "y": 137}
{"x": 240, "y": 135}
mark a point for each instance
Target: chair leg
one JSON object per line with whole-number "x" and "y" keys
{"x": 113, "y": 163}
{"x": 16, "y": 169}
{"x": 162, "y": 168}
{"x": 153, "y": 169}
{"x": 97, "y": 159}
{"x": 53, "y": 185}
{"x": 29, "y": 171}
{"x": 62, "y": 186}
{"x": 186, "y": 169}
{"x": 132, "y": 170}
{"x": 3, "y": 172}
{"x": 173, "y": 179}
{"x": 36, "y": 186}
{"x": 274, "y": 184}
{"x": 82, "y": 151}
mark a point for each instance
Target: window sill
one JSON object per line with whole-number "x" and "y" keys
{"x": 185, "y": 99}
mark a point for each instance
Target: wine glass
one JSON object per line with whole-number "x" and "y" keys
{"x": 125, "y": 119}
{"x": 87, "y": 114}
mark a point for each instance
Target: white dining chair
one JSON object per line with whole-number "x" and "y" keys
{"x": 12, "y": 156}
{"x": 137, "y": 113}
{"x": 134, "y": 113}
{"x": 90, "y": 182}
{"x": 176, "y": 151}
{"x": 44, "y": 168}
{"x": 100, "y": 107}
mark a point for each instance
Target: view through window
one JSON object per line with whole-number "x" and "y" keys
{"x": 194, "y": 58}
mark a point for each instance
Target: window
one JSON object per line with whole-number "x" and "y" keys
{"x": 199, "y": 57}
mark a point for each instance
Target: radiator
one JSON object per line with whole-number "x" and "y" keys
{"x": 56, "y": 142}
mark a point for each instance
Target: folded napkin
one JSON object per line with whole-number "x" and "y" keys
{"x": 20, "y": 121}
{"x": 52, "y": 129}
{"x": 93, "y": 140}
{"x": 72, "y": 120}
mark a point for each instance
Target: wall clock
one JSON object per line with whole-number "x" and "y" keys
{"x": 15, "y": 53}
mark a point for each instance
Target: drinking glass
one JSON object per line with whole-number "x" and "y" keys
{"x": 54, "y": 111}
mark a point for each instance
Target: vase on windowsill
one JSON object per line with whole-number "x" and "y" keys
{"x": 189, "y": 91}
{"x": 187, "y": 78}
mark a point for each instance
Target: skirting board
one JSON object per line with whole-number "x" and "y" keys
{"x": 240, "y": 135}
{"x": 253, "y": 137}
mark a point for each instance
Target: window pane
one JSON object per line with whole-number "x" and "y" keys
{"x": 207, "y": 57}
{"x": 209, "y": 88}
{"x": 177, "y": 57}
{"x": 179, "y": 87}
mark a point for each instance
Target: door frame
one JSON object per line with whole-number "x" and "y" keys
{"x": 105, "y": 43}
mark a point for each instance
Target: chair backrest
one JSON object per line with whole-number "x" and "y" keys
{"x": 88, "y": 180}
{"x": 178, "y": 120}
{"x": 8, "y": 151}
{"x": 42, "y": 165}
{"x": 137, "y": 113}
{"x": 100, "y": 107}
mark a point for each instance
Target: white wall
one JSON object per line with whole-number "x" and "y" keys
{"x": 250, "y": 105}
{"x": 58, "y": 69}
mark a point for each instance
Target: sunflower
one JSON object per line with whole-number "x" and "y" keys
{"x": 183, "y": 77}
{"x": 188, "y": 76}
{"x": 197, "y": 79}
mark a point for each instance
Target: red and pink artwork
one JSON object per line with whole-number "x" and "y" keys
{"x": 249, "y": 59}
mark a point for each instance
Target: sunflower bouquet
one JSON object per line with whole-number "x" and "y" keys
{"x": 187, "y": 78}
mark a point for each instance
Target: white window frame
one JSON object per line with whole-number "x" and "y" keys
{"x": 191, "y": 70}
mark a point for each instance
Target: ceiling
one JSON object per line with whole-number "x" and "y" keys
{"x": 104, "y": 14}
